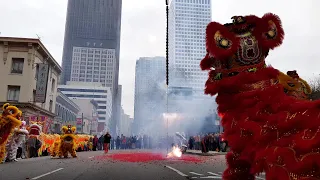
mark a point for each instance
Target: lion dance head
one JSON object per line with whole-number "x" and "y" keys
{"x": 10, "y": 119}
{"x": 35, "y": 128}
{"x": 68, "y": 134}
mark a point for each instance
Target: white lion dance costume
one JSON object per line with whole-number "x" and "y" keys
{"x": 15, "y": 141}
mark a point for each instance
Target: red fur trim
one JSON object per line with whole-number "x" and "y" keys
{"x": 213, "y": 48}
{"x": 277, "y": 173}
{"x": 206, "y": 63}
{"x": 252, "y": 19}
{"x": 233, "y": 84}
{"x": 263, "y": 27}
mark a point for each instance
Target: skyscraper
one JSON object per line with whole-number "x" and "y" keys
{"x": 187, "y": 24}
{"x": 149, "y": 91}
{"x": 92, "y": 39}
{"x": 92, "y": 44}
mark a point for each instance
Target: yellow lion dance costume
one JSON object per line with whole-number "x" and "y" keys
{"x": 294, "y": 86}
{"x": 9, "y": 120}
{"x": 67, "y": 143}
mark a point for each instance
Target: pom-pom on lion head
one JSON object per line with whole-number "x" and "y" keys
{"x": 68, "y": 134}
{"x": 68, "y": 129}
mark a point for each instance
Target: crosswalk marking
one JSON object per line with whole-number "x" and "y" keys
{"x": 211, "y": 177}
{"x": 214, "y": 174}
{"x": 196, "y": 174}
{"x": 177, "y": 171}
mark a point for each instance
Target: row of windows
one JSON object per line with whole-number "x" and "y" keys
{"x": 85, "y": 96}
{"x": 101, "y": 102}
{"x": 194, "y": 1}
{"x": 91, "y": 50}
{"x": 64, "y": 114}
{"x": 107, "y": 83}
{"x": 83, "y": 90}
{"x": 13, "y": 94}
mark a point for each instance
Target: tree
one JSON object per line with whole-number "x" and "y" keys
{"x": 315, "y": 87}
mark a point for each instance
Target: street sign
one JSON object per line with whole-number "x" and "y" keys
{"x": 42, "y": 82}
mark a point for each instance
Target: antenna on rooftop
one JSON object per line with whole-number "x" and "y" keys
{"x": 38, "y": 36}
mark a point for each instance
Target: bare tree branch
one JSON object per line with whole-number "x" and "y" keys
{"x": 315, "y": 87}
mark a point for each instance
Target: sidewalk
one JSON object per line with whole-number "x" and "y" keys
{"x": 210, "y": 153}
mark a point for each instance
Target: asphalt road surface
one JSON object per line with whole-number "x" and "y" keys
{"x": 95, "y": 165}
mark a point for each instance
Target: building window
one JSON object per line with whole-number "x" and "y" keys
{"x": 102, "y": 112}
{"x": 34, "y": 96}
{"x": 17, "y": 65}
{"x": 50, "y": 105}
{"x": 53, "y": 85}
{"x": 37, "y": 71}
{"x": 13, "y": 93}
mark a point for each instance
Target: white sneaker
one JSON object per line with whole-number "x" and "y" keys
{"x": 16, "y": 160}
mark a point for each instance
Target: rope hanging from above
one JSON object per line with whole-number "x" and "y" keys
{"x": 167, "y": 44}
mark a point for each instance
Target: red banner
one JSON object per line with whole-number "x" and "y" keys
{"x": 79, "y": 121}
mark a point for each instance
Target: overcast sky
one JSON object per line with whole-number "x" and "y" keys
{"x": 143, "y": 31}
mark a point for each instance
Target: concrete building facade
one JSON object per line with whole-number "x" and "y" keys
{"x": 29, "y": 76}
{"x": 94, "y": 65}
{"x": 102, "y": 95}
{"x": 125, "y": 124}
{"x": 66, "y": 112}
{"x": 87, "y": 118}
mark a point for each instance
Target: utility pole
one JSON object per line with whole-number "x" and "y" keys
{"x": 167, "y": 69}
{"x": 82, "y": 122}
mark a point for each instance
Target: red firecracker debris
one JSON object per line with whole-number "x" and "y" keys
{"x": 146, "y": 157}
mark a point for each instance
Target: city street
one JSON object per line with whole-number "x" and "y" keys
{"x": 96, "y": 165}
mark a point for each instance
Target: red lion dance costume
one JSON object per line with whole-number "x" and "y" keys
{"x": 267, "y": 129}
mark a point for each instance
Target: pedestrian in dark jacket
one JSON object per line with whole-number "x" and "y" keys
{"x": 106, "y": 142}
{"x": 95, "y": 142}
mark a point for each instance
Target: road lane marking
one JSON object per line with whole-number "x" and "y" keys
{"x": 214, "y": 174}
{"x": 46, "y": 174}
{"x": 211, "y": 177}
{"x": 196, "y": 174}
{"x": 91, "y": 157}
{"x": 177, "y": 171}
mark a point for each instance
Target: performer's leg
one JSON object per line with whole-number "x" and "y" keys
{"x": 65, "y": 153}
{"x": 108, "y": 147}
{"x": 105, "y": 148}
{"x": 13, "y": 156}
{"x": 60, "y": 154}
{"x": 2, "y": 153}
{"x": 23, "y": 151}
{"x": 73, "y": 153}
